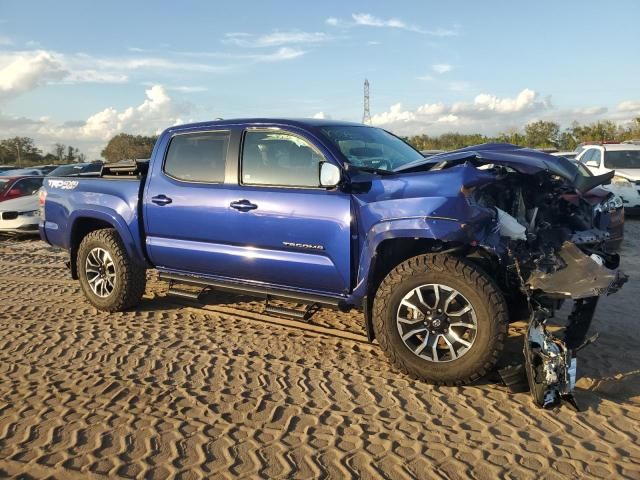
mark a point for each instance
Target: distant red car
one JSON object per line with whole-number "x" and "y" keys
{"x": 14, "y": 187}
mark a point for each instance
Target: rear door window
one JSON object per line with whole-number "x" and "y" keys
{"x": 198, "y": 157}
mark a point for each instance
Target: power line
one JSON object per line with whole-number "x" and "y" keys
{"x": 366, "y": 116}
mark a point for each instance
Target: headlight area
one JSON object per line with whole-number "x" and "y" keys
{"x": 30, "y": 213}
{"x": 14, "y": 215}
{"x": 614, "y": 202}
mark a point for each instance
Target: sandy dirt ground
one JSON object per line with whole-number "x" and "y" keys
{"x": 179, "y": 390}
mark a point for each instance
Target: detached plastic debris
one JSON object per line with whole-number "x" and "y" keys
{"x": 578, "y": 276}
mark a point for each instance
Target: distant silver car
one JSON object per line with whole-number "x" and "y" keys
{"x": 20, "y": 215}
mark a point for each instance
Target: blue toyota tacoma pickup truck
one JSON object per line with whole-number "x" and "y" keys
{"x": 438, "y": 253}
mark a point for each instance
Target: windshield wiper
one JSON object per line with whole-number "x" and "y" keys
{"x": 379, "y": 171}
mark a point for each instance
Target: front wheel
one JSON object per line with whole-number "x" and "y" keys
{"x": 110, "y": 280}
{"x": 440, "y": 319}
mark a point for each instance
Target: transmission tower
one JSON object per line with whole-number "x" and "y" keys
{"x": 366, "y": 116}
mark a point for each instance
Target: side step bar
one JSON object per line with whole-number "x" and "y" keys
{"x": 174, "y": 292}
{"x": 305, "y": 314}
{"x": 247, "y": 289}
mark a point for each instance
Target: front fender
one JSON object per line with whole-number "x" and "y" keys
{"x": 433, "y": 228}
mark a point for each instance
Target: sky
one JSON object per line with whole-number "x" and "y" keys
{"x": 79, "y": 72}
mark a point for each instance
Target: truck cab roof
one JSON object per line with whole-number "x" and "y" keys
{"x": 288, "y": 122}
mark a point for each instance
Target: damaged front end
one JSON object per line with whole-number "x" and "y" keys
{"x": 549, "y": 243}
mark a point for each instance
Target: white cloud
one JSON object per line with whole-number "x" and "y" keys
{"x": 525, "y": 100}
{"x": 94, "y": 76}
{"x": 486, "y": 113}
{"x": 427, "y": 78}
{"x": 188, "y": 88}
{"x": 25, "y": 71}
{"x": 274, "y": 39}
{"x": 321, "y": 116}
{"x": 156, "y": 112}
{"x": 441, "y": 67}
{"x": 490, "y": 114}
{"x": 284, "y": 53}
{"x": 395, "y": 115}
{"x": 629, "y": 106}
{"x": 281, "y": 54}
{"x": 369, "y": 20}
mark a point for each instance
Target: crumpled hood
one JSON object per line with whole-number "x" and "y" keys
{"x": 522, "y": 160}
{"x": 28, "y": 203}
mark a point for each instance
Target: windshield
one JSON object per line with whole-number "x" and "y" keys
{"x": 4, "y": 183}
{"x": 371, "y": 147}
{"x": 622, "y": 159}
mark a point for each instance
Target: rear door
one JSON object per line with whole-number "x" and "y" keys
{"x": 186, "y": 202}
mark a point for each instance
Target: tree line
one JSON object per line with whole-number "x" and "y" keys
{"x": 540, "y": 134}
{"x": 21, "y": 151}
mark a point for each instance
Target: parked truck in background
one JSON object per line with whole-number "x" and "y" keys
{"x": 438, "y": 253}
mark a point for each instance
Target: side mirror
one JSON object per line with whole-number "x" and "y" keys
{"x": 329, "y": 175}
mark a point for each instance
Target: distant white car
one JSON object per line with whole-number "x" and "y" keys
{"x": 570, "y": 155}
{"x": 624, "y": 158}
{"x": 19, "y": 215}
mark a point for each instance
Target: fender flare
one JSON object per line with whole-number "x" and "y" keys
{"x": 441, "y": 228}
{"x": 110, "y": 216}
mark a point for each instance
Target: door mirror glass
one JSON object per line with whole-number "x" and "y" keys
{"x": 329, "y": 174}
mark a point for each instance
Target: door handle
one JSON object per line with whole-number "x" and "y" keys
{"x": 161, "y": 200}
{"x": 243, "y": 205}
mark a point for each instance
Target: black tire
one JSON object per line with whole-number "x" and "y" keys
{"x": 130, "y": 277}
{"x": 480, "y": 291}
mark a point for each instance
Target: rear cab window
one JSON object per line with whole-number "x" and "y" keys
{"x": 197, "y": 157}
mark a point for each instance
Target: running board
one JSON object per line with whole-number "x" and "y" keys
{"x": 174, "y": 292}
{"x": 248, "y": 289}
{"x": 305, "y": 314}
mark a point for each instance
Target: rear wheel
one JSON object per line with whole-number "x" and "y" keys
{"x": 440, "y": 319}
{"x": 110, "y": 280}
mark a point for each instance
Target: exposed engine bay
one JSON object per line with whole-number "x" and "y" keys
{"x": 551, "y": 244}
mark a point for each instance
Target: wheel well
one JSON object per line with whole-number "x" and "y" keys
{"x": 390, "y": 253}
{"x": 81, "y": 227}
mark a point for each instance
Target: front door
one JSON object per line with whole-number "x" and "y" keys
{"x": 292, "y": 231}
